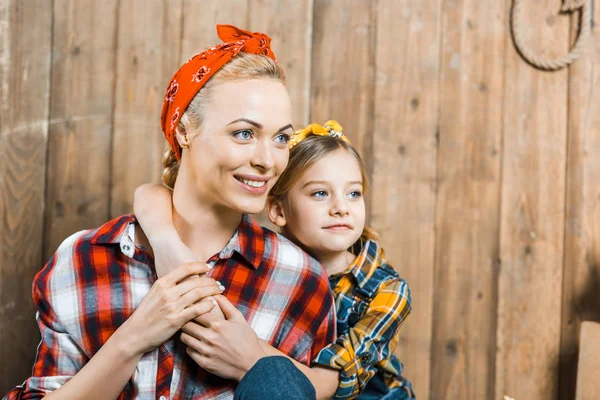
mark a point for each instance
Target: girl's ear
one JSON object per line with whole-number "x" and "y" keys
{"x": 276, "y": 212}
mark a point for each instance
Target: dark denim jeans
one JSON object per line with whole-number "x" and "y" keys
{"x": 275, "y": 377}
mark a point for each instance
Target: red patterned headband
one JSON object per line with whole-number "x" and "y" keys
{"x": 194, "y": 74}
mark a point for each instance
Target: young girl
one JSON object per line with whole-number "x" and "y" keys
{"x": 318, "y": 203}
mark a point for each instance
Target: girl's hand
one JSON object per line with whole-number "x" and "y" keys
{"x": 172, "y": 301}
{"x": 227, "y": 348}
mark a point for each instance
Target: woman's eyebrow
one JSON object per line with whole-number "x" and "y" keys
{"x": 254, "y": 123}
{"x": 259, "y": 125}
{"x": 288, "y": 126}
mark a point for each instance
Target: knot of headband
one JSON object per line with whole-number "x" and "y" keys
{"x": 331, "y": 128}
{"x": 194, "y": 74}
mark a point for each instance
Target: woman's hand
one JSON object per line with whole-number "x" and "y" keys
{"x": 227, "y": 348}
{"x": 172, "y": 301}
{"x": 169, "y": 252}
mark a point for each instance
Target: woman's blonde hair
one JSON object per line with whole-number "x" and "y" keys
{"x": 243, "y": 67}
{"x": 302, "y": 156}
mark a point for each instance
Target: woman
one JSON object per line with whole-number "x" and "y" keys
{"x": 109, "y": 319}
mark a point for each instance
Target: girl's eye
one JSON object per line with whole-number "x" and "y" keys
{"x": 245, "y": 134}
{"x": 282, "y": 138}
{"x": 356, "y": 194}
{"x": 319, "y": 194}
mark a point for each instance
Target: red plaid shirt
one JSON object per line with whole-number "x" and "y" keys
{"x": 97, "y": 278}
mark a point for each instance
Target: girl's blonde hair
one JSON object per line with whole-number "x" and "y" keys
{"x": 243, "y": 67}
{"x": 302, "y": 156}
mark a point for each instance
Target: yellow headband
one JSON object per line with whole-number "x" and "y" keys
{"x": 331, "y": 128}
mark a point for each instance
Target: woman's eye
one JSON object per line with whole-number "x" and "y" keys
{"x": 355, "y": 194}
{"x": 319, "y": 194}
{"x": 244, "y": 134}
{"x": 282, "y": 138}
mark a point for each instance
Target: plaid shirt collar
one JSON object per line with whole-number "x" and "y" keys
{"x": 248, "y": 240}
{"x": 366, "y": 262}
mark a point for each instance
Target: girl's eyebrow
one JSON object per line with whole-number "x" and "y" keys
{"x": 314, "y": 183}
{"x": 259, "y": 125}
{"x": 325, "y": 183}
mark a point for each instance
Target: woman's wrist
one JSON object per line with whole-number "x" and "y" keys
{"x": 127, "y": 342}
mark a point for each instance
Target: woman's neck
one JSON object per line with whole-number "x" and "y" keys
{"x": 205, "y": 228}
{"x": 335, "y": 262}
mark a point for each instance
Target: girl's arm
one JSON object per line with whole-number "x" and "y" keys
{"x": 153, "y": 208}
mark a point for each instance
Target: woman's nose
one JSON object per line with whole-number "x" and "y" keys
{"x": 262, "y": 157}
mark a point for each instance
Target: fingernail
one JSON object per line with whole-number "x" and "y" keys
{"x": 214, "y": 302}
{"x": 221, "y": 287}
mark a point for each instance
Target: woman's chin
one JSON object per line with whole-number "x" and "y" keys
{"x": 253, "y": 206}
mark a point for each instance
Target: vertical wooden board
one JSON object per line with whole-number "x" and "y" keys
{"x": 289, "y": 24}
{"x": 404, "y": 163}
{"x": 532, "y": 212}
{"x": 343, "y": 65}
{"x": 81, "y": 107}
{"x": 200, "y": 19}
{"x": 468, "y": 203}
{"x": 147, "y": 56}
{"x": 25, "y": 47}
{"x": 581, "y": 272}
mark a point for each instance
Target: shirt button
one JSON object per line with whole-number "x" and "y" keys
{"x": 366, "y": 357}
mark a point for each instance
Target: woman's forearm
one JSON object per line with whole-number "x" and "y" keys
{"x": 106, "y": 374}
{"x": 325, "y": 380}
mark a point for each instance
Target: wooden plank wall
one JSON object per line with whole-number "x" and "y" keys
{"x": 484, "y": 171}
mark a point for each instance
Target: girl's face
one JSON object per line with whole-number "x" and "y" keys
{"x": 242, "y": 148}
{"x": 325, "y": 210}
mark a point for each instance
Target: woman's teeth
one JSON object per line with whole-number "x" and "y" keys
{"x": 256, "y": 184}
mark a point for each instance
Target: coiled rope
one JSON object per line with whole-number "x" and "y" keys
{"x": 569, "y": 6}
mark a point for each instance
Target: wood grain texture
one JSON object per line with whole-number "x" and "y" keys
{"x": 343, "y": 67}
{"x": 25, "y": 51}
{"x": 468, "y": 203}
{"x": 532, "y": 212}
{"x": 289, "y": 24}
{"x": 581, "y": 276}
{"x": 147, "y": 56}
{"x": 200, "y": 18}
{"x": 81, "y": 114}
{"x": 404, "y": 153}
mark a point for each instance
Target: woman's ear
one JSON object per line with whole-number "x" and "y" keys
{"x": 182, "y": 138}
{"x": 276, "y": 212}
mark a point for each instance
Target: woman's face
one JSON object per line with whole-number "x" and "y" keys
{"x": 325, "y": 210}
{"x": 242, "y": 148}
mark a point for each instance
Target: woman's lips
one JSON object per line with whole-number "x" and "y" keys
{"x": 253, "y": 184}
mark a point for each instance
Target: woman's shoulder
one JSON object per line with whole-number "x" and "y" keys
{"x": 287, "y": 254}
{"x": 80, "y": 249}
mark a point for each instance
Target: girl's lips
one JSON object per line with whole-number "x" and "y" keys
{"x": 339, "y": 227}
